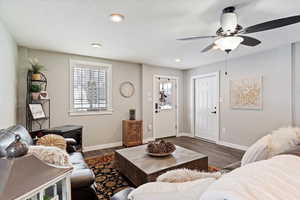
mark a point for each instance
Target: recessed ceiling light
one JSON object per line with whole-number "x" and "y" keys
{"x": 96, "y": 45}
{"x": 116, "y": 18}
{"x": 178, "y": 60}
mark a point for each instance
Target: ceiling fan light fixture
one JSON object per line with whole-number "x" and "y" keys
{"x": 178, "y": 60}
{"x": 229, "y": 43}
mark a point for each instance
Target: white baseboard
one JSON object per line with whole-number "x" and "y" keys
{"x": 110, "y": 145}
{"x": 102, "y": 146}
{"x": 148, "y": 140}
{"x": 185, "y": 134}
{"x": 234, "y": 146}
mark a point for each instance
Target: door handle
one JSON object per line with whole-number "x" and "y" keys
{"x": 215, "y": 111}
{"x": 156, "y": 108}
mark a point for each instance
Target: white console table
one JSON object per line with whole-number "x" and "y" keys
{"x": 28, "y": 178}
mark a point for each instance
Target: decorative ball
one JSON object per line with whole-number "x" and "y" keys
{"x": 53, "y": 140}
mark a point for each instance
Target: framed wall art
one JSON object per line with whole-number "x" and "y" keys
{"x": 247, "y": 93}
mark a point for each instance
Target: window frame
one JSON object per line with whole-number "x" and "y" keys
{"x": 108, "y": 67}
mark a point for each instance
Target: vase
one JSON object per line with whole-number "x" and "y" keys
{"x": 132, "y": 114}
{"x": 16, "y": 148}
{"x": 35, "y": 95}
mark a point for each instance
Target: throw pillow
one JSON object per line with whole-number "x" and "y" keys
{"x": 185, "y": 175}
{"x": 53, "y": 140}
{"x": 51, "y": 155}
{"x": 284, "y": 139}
{"x": 260, "y": 150}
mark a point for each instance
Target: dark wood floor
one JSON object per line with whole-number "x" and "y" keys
{"x": 218, "y": 156}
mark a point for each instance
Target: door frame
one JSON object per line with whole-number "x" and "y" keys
{"x": 193, "y": 78}
{"x": 176, "y": 78}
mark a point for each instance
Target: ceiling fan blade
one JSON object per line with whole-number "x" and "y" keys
{"x": 272, "y": 24}
{"x": 196, "y": 38}
{"x": 249, "y": 41}
{"x": 208, "y": 48}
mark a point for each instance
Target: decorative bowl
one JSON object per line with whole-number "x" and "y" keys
{"x": 160, "y": 148}
{"x": 159, "y": 154}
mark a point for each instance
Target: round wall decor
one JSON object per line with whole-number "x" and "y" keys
{"x": 127, "y": 89}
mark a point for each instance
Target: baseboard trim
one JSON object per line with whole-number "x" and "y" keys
{"x": 148, "y": 140}
{"x": 185, "y": 134}
{"x": 110, "y": 145}
{"x": 234, "y": 146}
{"x": 102, "y": 146}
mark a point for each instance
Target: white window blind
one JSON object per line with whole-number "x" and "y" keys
{"x": 91, "y": 87}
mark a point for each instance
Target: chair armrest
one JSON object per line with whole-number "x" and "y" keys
{"x": 122, "y": 195}
{"x": 71, "y": 145}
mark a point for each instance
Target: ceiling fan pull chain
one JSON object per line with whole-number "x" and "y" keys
{"x": 226, "y": 64}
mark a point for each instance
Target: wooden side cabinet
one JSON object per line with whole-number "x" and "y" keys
{"x": 132, "y": 132}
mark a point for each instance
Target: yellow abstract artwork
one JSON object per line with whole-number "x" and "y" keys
{"x": 246, "y": 93}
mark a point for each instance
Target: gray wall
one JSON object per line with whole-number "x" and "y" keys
{"x": 148, "y": 71}
{"x": 279, "y": 67}
{"x": 8, "y": 86}
{"x": 243, "y": 127}
{"x": 98, "y": 129}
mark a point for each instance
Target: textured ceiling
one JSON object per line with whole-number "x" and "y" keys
{"x": 149, "y": 32}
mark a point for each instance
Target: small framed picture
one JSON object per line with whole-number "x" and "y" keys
{"x": 44, "y": 95}
{"x": 37, "y": 111}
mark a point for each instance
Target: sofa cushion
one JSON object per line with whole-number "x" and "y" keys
{"x": 283, "y": 140}
{"x": 51, "y": 155}
{"x": 20, "y": 130}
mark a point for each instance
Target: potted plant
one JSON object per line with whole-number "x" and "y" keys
{"x": 36, "y": 69}
{"x": 35, "y": 91}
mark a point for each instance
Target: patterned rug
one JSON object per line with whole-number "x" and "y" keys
{"x": 108, "y": 180}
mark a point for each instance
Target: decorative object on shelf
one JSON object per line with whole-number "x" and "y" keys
{"x": 44, "y": 95}
{"x": 160, "y": 148}
{"x": 246, "y": 93}
{"x": 35, "y": 91}
{"x": 132, "y": 114}
{"x": 37, "y": 111}
{"x": 16, "y": 148}
{"x": 127, "y": 89}
{"x": 53, "y": 140}
{"x": 36, "y": 69}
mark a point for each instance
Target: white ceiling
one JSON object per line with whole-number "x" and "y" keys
{"x": 149, "y": 31}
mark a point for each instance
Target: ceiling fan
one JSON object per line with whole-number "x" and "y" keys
{"x": 231, "y": 34}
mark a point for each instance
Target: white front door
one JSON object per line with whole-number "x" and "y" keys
{"x": 165, "y": 107}
{"x": 206, "y": 95}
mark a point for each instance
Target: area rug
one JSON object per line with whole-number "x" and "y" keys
{"x": 108, "y": 179}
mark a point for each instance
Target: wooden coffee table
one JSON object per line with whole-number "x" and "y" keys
{"x": 141, "y": 168}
